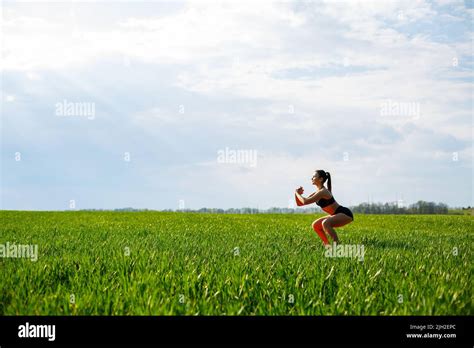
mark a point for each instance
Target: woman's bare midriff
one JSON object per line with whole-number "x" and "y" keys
{"x": 331, "y": 209}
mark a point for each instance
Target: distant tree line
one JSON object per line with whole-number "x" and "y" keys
{"x": 273, "y": 210}
{"x": 245, "y": 210}
{"x": 420, "y": 207}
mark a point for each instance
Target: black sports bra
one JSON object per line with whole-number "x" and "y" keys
{"x": 325, "y": 202}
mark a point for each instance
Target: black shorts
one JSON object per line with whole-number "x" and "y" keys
{"x": 344, "y": 210}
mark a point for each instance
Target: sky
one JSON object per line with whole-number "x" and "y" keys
{"x": 168, "y": 105}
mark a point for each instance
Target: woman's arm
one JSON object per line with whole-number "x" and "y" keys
{"x": 314, "y": 197}
{"x": 298, "y": 203}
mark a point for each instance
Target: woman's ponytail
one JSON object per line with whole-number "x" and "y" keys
{"x": 328, "y": 176}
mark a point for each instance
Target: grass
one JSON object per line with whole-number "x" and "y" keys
{"x": 155, "y": 263}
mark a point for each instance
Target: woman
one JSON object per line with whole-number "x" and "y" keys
{"x": 323, "y": 197}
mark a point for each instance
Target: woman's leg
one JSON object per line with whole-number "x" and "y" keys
{"x": 337, "y": 220}
{"x": 318, "y": 228}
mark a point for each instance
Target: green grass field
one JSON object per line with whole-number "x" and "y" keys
{"x": 152, "y": 263}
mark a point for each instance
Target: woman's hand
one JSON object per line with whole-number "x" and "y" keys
{"x": 298, "y": 192}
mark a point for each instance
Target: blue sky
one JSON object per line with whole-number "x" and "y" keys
{"x": 301, "y": 84}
